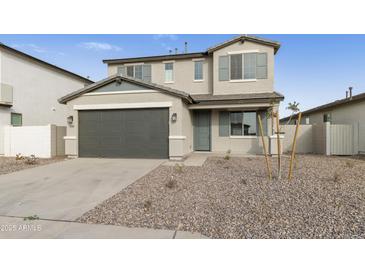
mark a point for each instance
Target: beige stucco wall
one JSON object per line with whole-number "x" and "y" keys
{"x": 241, "y": 145}
{"x": 187, "y": 128}
{"x": 260, "y": 85}
{"x": 319, "y": 138}
{"x": 304, "y": 143}
{"x": 345, "y": 114}
{"x": 36, "y": 89}
{"x": 179, "y": 131}
{"x": 183, "y": 75}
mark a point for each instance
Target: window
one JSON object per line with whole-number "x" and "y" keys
{"x": 243, "y": 123}
{"x": 326, "y": 117}
{"x": 198, "y": 70}
{"x": 138, "y": 72}
{"x": 169, "y": 72}
{"x": 130, "y": 71}
{"x": 249, "y": 66}
{"x": 16, "y": 119}
{"x": 141, "y": 72}
{"x": 236, "y": 67}
{"x": 244, "y": 66}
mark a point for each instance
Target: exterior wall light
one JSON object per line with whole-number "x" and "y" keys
{"x": 174, "y": 117}
{"x": 70, "y": 120}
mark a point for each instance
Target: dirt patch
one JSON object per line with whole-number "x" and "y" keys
{"x": 10, "y": 164}
{"x": 234, "y": 199}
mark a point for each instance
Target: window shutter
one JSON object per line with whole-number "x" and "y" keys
{"x": 121, "y": 71}
{"x": 250, "y": 65}
{"x": 223, "y": 68}
{"x": 223, "y": 123}
{"x": 147, "y": 77}
{"x": 261, "y": 67}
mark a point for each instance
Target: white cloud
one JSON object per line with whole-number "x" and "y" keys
{"x": 172, "y": 37}
{"x": 30, "y": 46}
{"x": 99, "y": 46}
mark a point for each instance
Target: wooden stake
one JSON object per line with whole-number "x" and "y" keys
{"x": 292, "y": 158}
{"x": 264, "y": 146}
{"x": 278, "y": 144}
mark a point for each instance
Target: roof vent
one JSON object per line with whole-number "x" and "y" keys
{"x": 350, "y": 92}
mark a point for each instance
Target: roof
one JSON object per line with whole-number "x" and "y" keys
{"x": 209, "y": 99}
{"x": 337, "y": 103}
{"x": 22, "y": 54}
{"x": 113, "y": 78}
{"x": 245, "y": 96}
{"x": 156, "y": 58}
{"x": 241, "y": 38}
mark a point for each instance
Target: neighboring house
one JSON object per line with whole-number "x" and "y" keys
{"x": 29, "y": 89}
{"x": 350, "y": 110}
{"x": 168, "y": 106}
{"x": 338, "y": 128}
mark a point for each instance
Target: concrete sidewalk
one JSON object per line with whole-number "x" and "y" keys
{"x": 17, "y": 228}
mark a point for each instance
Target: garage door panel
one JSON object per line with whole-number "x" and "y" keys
{"x": 140, "y": 133}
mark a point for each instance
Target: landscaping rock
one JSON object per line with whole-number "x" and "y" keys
{"x": 234, "y": 199}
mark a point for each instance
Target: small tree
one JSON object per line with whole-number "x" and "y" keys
{"x": 294, "y": 107}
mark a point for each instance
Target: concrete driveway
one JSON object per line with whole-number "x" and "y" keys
{"x": 65, "y": 190}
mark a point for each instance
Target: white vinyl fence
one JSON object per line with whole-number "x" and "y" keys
{"x": 42, "y": 141}
{"x": 361, "y": 138}
{"x": 326, "y": 138}
{"x": 341, "y": 139}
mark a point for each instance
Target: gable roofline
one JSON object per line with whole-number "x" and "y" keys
{"x": 39, "y": 61}
{"x": 113, "y": 78}
{"x": 208, "y": 52}
{"x": 337, "y": 103}
{"x": 245, "y": 37}
{"x": 156, "y": 58}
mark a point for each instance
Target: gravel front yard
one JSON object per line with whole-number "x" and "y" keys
{"x": 234, "y": 199}
{"x": 10, "y": 164}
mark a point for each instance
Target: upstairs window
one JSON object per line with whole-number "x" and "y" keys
{"x": 243, "y": 123}
{"x": 198, "y": 70}
{"x": 169, "y": 72}
{"x": 141, "y": 72}
{"x": 236, "y": 66}
{"x": 138, "y": 72}
{"x": 130, "y": 71}
{"x": 243, "y": 66}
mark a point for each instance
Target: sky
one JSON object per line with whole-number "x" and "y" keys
{"x": 309, "y": 69}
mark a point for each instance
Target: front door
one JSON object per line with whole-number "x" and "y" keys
{"x": 202, "y": 130}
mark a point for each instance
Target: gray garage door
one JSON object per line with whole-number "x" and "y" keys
{"x": 132, "y": 133}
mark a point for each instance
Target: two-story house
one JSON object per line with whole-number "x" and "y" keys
{"x": 168, "y": 106}
{"x": 29, "y": 89}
